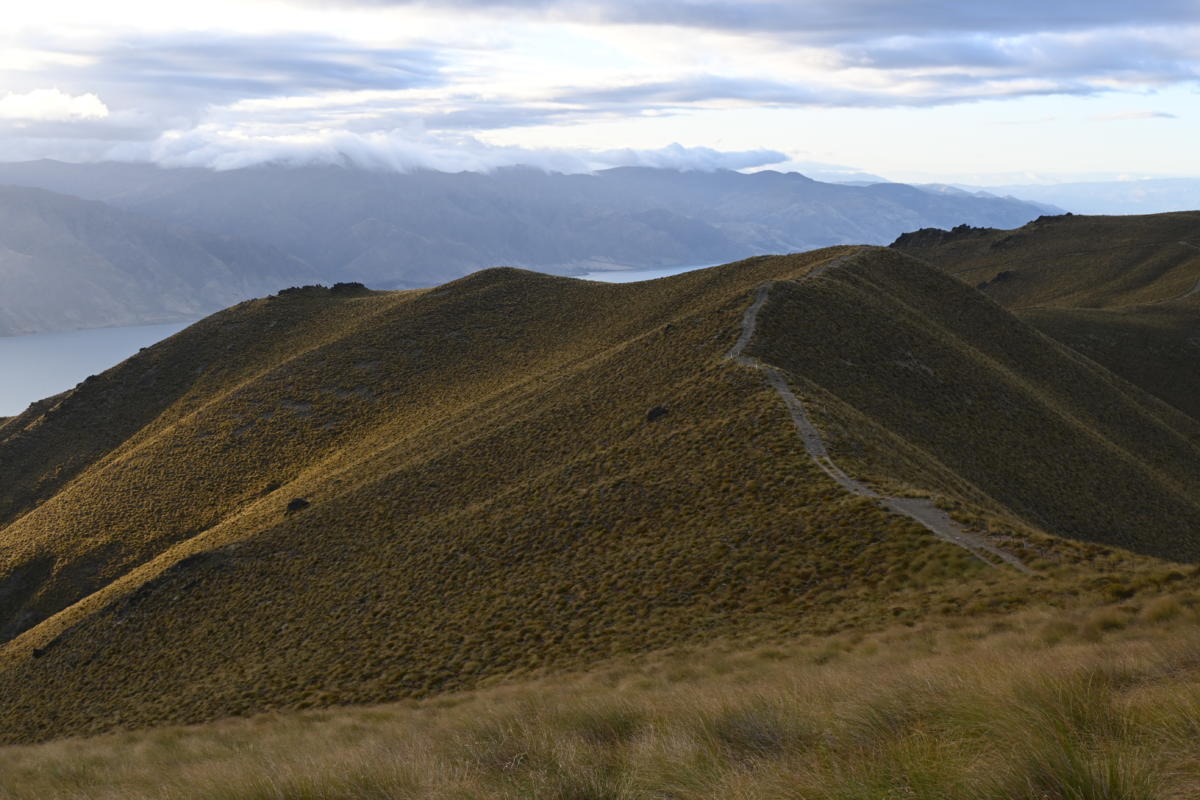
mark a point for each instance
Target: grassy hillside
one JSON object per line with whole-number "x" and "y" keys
{"x": 1071, "y": 261}
{"x": 1155, "y": 347}
{"x": 331, "y": 497}
{"x": 1100, "y": 699}
{"x": 954, "y": 393}
{"x": 1121, "y": 290}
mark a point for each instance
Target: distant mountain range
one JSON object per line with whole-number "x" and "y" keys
{"x": 71, "y": 263}
{"x": 393, "y": 230}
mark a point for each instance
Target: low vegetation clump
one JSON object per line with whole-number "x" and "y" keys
{"x": 975, "y": 709}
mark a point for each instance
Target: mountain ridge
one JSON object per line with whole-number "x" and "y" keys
{"x": 403, "y": 230}
{"x": 71, "y": 263}
{"x": 1119, "y": 290}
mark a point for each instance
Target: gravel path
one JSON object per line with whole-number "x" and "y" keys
{"x": 920, "y": 510}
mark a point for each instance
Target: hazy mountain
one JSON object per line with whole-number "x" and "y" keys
{"x": 72, "y": 263}
{"x": 325, "y": 498}
{"x": 421, "y": 228}
{"x": 959, "y": 191}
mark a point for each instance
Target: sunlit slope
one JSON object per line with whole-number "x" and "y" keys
{"x": 1071, "y": 261}
{"x": 488, "y": 490}
{"x": 486, "y": 494}
{"x": 1124, "y": 291}
{"x": 954, "y": 392}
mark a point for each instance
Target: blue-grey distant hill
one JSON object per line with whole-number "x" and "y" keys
{"x": 420, "y": 228}
{"x": 70, "y": 263}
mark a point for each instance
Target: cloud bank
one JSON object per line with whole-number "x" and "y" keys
{"x": 409, "y": 150}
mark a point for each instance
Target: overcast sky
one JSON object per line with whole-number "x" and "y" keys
{"x": 984, "y": 92}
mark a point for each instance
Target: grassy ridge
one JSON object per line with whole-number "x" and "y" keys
{"x": 1098, "y": 699}
{"x": 1111, "y": 288}
{"x": 1071, "y": 261}
{"x": 1066, "y": 446}
{"x": 489, "y": 496}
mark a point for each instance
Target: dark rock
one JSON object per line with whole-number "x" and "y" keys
{"x": 934, "y": 237}
{"x": 309, "y": 290}
{"x": 299, "y": 504}
{"x": 656, "y": 413}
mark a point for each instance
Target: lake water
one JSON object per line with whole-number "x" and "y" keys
{"x": 43, "y": 364}
{"x": 631, "y": 275}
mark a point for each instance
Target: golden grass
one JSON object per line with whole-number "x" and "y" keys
{"x": 973, "y": 709}
{"x": 488, "y": 500}
{"x": 1071, "y": 261}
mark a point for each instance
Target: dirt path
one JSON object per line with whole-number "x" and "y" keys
{"x": 920, "y": 510}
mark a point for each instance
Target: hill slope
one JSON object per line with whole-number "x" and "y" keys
{"x": 69, "y": 263}
{"x": 331, "y": 497}
{"x": 1124, "y": 291}
{"x": 418, "y": 229}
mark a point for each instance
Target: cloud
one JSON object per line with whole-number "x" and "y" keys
{"x": 943, "y": 89}
{"x": 406, "y": 150}
{"x": 51, "y": 105}
{"x": 401, "y": 83}
{"x": 264, "y": 66}
{"x": 186, "y": 72}
{"x": 1135, "y": 115}
{"x": 676, "y": 156}
{"x": 824, "y": 20}
{"x": 1081, "y": 46}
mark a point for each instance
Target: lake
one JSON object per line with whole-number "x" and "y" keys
{"x": 631, "y": 275}
{"x": 43, "y": 364}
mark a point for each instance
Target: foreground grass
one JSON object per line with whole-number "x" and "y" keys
{"x": 1100, "y": 702}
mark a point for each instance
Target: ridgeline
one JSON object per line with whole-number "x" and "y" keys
{"x": 341, "y": 496}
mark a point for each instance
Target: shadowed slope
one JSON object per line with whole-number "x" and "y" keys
{"x": 1155, "y": 347}
{"x": 509, "y": 472}
{"x": 964, "y": 387}
{"x": 1120, "y": 290}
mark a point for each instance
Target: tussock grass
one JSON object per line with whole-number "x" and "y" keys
{"x": 1108, "y": 287}
{"x": 973, "y": 397}
{"x": 488, "y": 499}
{"x": 1074, "y": 261}
{"x": 988, "y": 714}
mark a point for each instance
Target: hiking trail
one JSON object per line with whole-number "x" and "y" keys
{"x": 920, "y": 510}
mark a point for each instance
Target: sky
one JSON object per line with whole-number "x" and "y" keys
{"x": 985, "y": 93}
